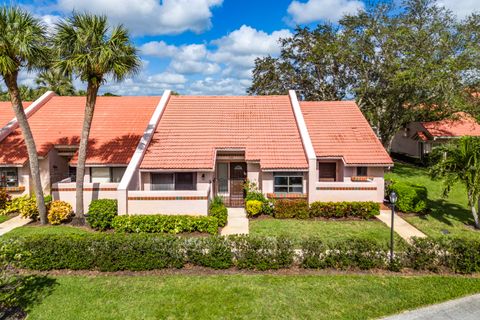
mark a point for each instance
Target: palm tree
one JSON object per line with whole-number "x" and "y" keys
{"x": 55, "y": 81}
{"x": 88, "y": 48}
{"x": 22, "y": 45}
{"x": 459, "y": 161}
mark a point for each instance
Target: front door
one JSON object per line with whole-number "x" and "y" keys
{"x": 238, "y": 176}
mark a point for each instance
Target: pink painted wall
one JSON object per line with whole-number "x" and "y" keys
{"x": 100, "y": 191}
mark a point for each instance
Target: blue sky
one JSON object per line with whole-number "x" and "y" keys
{"x": 204, "y": 46}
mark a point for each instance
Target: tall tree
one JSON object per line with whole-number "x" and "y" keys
{"x": 23, "y": 46}
{"x": 55, "y": 81}
{"x": 459, "y": 162}
{"x": 399, "y": 63}
{"x": 88, "y": 48}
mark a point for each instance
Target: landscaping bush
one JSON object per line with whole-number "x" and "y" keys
{"x": 253, "y": 208}
{"x": 364, "y": 210}
{"x": 59, "y": 212}
{"x": 353, "y": 253}
{"x": 218, "y": 210}
{"x": 411, "y": 197}
{"x": 212, "y": 252}
{"x": 101, "y": 213}
{"x": 289, "y": 209}
{"x": 260, "y": 253}
{"x": 4, "y": 198}
{"x": 253, "y": 193}
{"x": 165, "y": 224}
{"x": 26, "y": 206}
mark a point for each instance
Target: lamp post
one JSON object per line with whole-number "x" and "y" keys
{"x": 393, "y": 200}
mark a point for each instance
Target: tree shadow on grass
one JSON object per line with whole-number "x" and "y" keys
{"x": 445, "y": 212}
{"x": 20, "y": 293}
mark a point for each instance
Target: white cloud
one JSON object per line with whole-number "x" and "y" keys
{"x": 150, "y": 17}
{"x": 462, "y": 8}
{"x": 316, "y": 10}
{"x": 168, "y": 78}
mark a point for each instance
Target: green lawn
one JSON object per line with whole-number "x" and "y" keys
{"x": 450, "y": 214}
{"x": 325, "y": 230}
{"x": 53, "y": 230}
{"x": 242, "y": 296}
{"x": 3, "y": 218}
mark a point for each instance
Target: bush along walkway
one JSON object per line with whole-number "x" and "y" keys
{"x": 13, "y": 223}
{"x": 402, "y": 227}
{"x": 237, "y": 222}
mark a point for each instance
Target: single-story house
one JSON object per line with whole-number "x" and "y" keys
{"x": 417, "y": 139}
{"x": 173, "y": 154}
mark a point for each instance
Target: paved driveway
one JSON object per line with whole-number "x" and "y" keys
{"x": 467, "y": 308}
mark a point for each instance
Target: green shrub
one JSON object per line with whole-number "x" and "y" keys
{"x": 211, "y": 252}
{"x": 4, "y": 198}
{"x": 165, "y": 224}
{"x": 253, "y": 193}
{"x": 26, "y": 206}
{"x": 289, "y": 209}
{"x": 218, "y": 210}
{"x": 365, "y": 210}
{"x": 261, "y": 253}
{"x": 59, "y": 212}
{"x": 253, "y": 208}
{"x": 101, "y": 213}
{"x": 411, "y": 197}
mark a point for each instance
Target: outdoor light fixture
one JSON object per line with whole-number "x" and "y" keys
{"x": 393, "y": 200}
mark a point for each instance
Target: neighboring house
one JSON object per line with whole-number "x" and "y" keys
{"x": 172, "y": 155}
{"x": 418, "y": 138}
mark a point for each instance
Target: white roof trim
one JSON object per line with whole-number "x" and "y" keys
{"x": 144, "y": 142}
{"x": 302, "y": 126}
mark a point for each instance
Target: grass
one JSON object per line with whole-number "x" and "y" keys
{"x": 325, "y": 230}
{"x": 3, "y": 218}
{"x": 44, "y": 230}
{"x": 446, "y": 215}
{"x": 244, "y": 296}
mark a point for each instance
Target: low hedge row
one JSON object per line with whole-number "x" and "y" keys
{"x": 288, "y": 209}
{"x": 411, "y": 197}
{"x": 218, "y": 210}
{"x": 165, "y": 224}
{"x": 113, "y": 252}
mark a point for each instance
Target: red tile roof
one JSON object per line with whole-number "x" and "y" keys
{"x": 6, "y": 112}
{"x": 462, "y": 124}
{"x": 339, "y": 129}
{"x": 421, "y": 135}
{"x": 117, "y": 126}
{"x": 193, "y": 127}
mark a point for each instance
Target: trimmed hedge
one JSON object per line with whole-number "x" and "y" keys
{"x": 289, "y": 209}
{"x": 165, "y": 224}
{"x": 411, "y": 197}
{"x": 101, "y": 213}
{"x": 218, "y": 210}
{"x": 365, "y": 210}
{"x": 113, "y": 252}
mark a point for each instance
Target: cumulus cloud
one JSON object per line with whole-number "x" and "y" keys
{"x": 150, "y": 17}
{"x": 316, "y": 10}
{"x": 462, "y": 8}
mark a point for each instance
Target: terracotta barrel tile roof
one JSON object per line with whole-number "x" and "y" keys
{"x": 6, "y": 112}
{"x": 117, "y": 126}
{"x": 192, "y": 128}
{"x": 339, "y": 129}
{"x": 462, "y": 124}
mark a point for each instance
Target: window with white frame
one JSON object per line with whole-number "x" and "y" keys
{"x": 106, "y": 174}
{"x": 174, "y": 181}
{"x": 8, "y": 177}
{"x": 288, "y": 182}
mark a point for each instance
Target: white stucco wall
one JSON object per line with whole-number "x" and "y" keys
{"x": 404, "y": 143}
{"x": 92, "y": 191}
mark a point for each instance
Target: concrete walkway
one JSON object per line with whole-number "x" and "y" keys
{"x": 12, "y": 223}
{"x": 400, "y": 226}
{"x": 237, "y": 222}
{"x": 467, "y": 308}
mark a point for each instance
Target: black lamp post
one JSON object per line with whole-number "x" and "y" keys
{"x": 393, "y": 200}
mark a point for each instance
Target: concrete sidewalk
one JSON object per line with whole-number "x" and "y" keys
{"x": 467, "y": 308}
{"x": 237, "y": 222}
{"x": 402, "y": 227}
{"x": 12, "y": 223}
